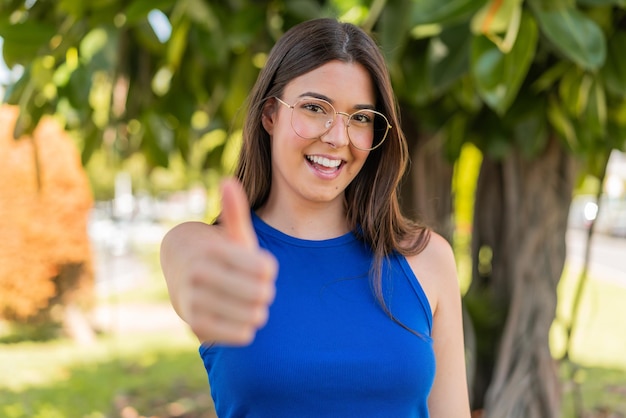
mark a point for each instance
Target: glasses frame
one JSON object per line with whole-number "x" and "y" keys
{"x": 349, "y": 116}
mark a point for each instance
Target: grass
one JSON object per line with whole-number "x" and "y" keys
{"x": 603, "y": 391}
{"x": 153, "y": 373}
{"x": 597, "y": 350}
{"x": 146, "y": 375}
{"x": 159, "y": 373}
{"x": 599, "y": 338}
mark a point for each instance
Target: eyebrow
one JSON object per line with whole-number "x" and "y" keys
{"x": 329, "y": 100}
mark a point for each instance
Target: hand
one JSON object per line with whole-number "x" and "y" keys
{"x": 230, "y": 280}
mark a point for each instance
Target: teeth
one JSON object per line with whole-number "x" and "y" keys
{"x": 323, "y": 161}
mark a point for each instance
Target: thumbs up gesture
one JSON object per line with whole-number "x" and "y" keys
{"x": 220, "y": 281}
{"x": 235, "y": 216}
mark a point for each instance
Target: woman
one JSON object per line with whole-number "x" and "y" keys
{"x": 313, "y": 296}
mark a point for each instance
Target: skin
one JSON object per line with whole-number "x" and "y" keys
{"x": 306, "y": 200}
{"x": 222, "y": 283}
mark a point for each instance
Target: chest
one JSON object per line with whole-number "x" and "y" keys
{"x": 328, "y": 338}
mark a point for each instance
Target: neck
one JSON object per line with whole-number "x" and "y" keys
{"x": 314, "y": 221}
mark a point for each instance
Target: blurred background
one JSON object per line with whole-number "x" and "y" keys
{"x": 120, "y": 117}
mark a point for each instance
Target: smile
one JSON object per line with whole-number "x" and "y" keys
{"x": 323, "y": 161}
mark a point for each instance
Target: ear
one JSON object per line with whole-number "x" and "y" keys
{"x": 268, "y": 117}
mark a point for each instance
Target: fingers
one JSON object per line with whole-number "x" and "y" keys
{"x": 229, "y": 305}
{"x": 230, "y": 279}
{"x": 223, "y": 330}
{"x": 242, "y": 313}
{"x": 235, "y": 216}
{"x": 249, "y": 280}
{"x": 224, "y": 319}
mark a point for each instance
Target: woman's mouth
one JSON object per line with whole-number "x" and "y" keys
{"x": 324, "y": 165}
{"x": 323, "y": 161}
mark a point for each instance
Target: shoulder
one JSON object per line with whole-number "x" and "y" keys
{"x": 435, "y": 269}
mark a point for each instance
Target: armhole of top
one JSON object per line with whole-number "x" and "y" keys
{"x": 419, "y": 291}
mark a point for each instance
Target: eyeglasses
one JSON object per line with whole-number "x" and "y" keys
{"x": 312, "y": 118}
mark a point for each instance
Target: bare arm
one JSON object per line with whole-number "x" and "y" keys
{"x": 436, "y": 269}
{"x": 219, "y": 281}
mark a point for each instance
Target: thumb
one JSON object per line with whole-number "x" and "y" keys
{"x": 235, "y": 217}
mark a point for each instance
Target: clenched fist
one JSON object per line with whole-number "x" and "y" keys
{"x": 220, "y": 281}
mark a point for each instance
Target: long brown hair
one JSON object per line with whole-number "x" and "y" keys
{"x": 373, "y": 209}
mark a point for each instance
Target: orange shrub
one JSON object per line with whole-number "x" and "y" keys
{"x": 45, "y": 256}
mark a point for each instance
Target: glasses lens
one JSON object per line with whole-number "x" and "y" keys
{"x": 367, "y": 129}
{"x": 312, "y": 118}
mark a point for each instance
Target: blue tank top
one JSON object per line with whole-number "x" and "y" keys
{"x": 328, "y": 348}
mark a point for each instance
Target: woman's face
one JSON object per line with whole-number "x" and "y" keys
{"x": 318, "y": 170}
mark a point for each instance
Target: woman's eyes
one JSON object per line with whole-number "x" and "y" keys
{"x": 315, "y": 107}
{"x": 361, "y": 118}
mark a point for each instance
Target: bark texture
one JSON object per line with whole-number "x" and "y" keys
{"x": 427, "y": 188}
{"x": 518, "y": 253}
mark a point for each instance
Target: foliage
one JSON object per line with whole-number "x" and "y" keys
{"x": 489, "y": 72}
{"x": 164, "y": 80}
{"x": 45, "y": 257}
{"x": 154, "y": 77}
{"x": 140, "y": 76}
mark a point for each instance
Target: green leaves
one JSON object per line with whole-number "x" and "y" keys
{"x": 572, "y": 33}
{"x": 437, "y": 11}
{"x": 138, "y": 9}
{"x": 509, "y": 72}
{"x": 621, "y": 3}
{"x": 24, "y": 40}
{"x": 499, "y": 75}
{"x": 392, "y": 30}
{"x": 614, "y": 72}
{"x": 579, "y": 111}
{"x": 448, "y": 57}
{"x": 538, "y": 66}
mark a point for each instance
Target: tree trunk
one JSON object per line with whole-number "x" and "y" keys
{"x": 427, "y": 188}
{"x": 518, "y": 253}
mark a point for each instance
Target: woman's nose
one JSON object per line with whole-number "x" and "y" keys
{"x": 337, "y": 135}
